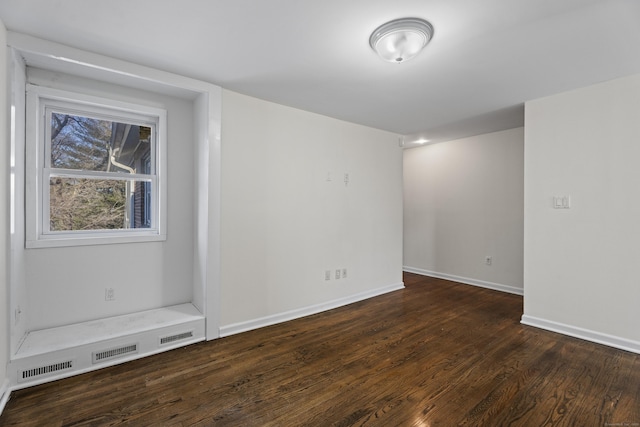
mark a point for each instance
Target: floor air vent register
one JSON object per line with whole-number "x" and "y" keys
{"x": 100, "y": 356}
{"x": 177, "y": 337}
{"x": 41, "y": 371}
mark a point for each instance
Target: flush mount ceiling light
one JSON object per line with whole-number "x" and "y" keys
{"x": 401, "y": 39}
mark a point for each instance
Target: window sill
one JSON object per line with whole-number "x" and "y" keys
{"x": 50, "y": 241}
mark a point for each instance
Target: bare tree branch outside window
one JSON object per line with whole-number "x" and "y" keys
{"x": 83, "y": 143}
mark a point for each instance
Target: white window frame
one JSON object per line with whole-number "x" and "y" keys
{"x": 38, "y": 167}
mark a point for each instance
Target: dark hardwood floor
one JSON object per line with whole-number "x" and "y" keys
{"x": 435, "y": 354}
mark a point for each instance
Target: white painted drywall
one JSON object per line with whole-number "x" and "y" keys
{"x": 18, "y": 304}
{"x": 284, "y": 223}
{"x": 581, "y": 264}
{"x": 206, "y": 294}
{"x": 463, "y": 201}
{"x": 4, "y": 208}
{"x": 67, "y": 285}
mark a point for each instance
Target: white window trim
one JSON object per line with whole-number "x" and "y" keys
{"x": 37, "y": 233}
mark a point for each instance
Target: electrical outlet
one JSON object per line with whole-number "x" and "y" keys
{"x": 562, "y": 202}
{"x": 109, "y": 294}
{"x": 327, "y": 275}
{"x": 488, "y": 260}
{"x": 344, "y": 273}
{"x": 337, "y": 273}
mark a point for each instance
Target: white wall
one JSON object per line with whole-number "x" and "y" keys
{"x": 463, "y": 201}
{"x": 67, "y": 285}
{"x": 4, "y": 210}
{"x": 17, "y": 292}
{"x": 581, "y": 264}
{"x": 284, "y": 224}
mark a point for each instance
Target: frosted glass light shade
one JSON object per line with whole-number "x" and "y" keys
{"x": 401, "y": 39}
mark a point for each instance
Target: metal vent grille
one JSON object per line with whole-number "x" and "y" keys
{"x": 113, "y": 353}
{"x": 173, "y": 338}
{"x": 27, "y": 374}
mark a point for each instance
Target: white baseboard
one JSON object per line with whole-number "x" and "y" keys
{"x": 585, "y": 334}
{"x": 236, "y": 328}
{"x": 466, "y": 280}
{"x": 5, "y": 394}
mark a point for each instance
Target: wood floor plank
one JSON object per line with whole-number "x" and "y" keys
{"x": 437, "y": 353}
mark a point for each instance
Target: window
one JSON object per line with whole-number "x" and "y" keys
{"x": 94, "y": 170}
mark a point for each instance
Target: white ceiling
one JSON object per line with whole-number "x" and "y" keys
{"x": 486, "y": 58}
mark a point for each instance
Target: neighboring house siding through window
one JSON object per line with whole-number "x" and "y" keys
{"x": 142, "y": 196}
